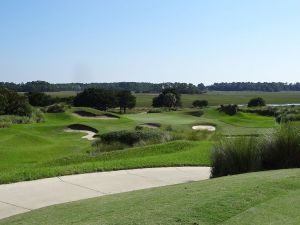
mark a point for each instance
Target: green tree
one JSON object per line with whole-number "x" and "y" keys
{"x": 254, "y": 102}
{"x": 96, "y": 98}
{"x": 3, "y": 104}
{"x": 126, "y": 100}
{"x": 39, "y": 99}
{"x": 168, "y": 98}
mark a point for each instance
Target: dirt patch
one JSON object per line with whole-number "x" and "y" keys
{"x": 204, "y": 127}
{"x": 89, "y": 131}
{"x": 91, "y": 115}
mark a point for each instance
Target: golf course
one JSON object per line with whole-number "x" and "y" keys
{"x": 38, "y": 150}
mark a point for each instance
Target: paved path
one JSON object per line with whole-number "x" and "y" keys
{"x": 25, "y": 196}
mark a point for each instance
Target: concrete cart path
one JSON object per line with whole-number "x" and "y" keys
{"x": 25, "y": 196}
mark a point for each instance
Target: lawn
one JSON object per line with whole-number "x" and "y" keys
{"x": 263, "y": 198}
{"x": 33, "y": 151}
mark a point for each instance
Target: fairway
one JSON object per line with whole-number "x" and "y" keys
{"x": 256, "y": 198}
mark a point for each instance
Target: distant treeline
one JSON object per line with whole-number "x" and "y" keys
{"x": 249, "y": 86}
{"x": 145, "y": 87}
{"x": 138, "y": 87}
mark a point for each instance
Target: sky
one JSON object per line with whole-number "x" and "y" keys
{"x": 193, "y": 41}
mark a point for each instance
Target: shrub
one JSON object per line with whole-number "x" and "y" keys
{"x": 56, "y": 108}
{"x": 229, "y": 109}
{"x": 256, "y": 102}
{"x": 134, "y": 137}
{"x": 279, "y": 150}
{"x": 200, "y": 103}
{"x": 5, "y": 122}
{"x": 235, "y": 155}
{"x": 282, "y": 149}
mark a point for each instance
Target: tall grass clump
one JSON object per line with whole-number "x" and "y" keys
{"x": 235, "y": 155}
{"x": 282, "y": 149}
{"x": 278, "y": 150}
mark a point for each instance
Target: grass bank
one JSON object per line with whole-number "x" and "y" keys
{"x": 262, "y": 198}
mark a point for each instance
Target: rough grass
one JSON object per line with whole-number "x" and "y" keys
{"x": 177, "y": 153}
{"x": 262, "y": 198}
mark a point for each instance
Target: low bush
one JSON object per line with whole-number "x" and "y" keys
{"x": 254, "y": 102}
{"x": 56, "y": 108}
{"x": 133, "y": 137}
{"x": 5, "y": 122}
{"x": 278, "y": 150}
{"x": 235, "y": 155}
{"x": 229, "y": 109}
{"x": 282, "y": 149}
{"x": 200, "y": 103}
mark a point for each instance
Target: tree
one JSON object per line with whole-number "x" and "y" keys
{"x": 96, "y": 98}
{"x": 39, "y": 99}
{"x": 168, "y": 98}
{"x": 126, "y": 100}
{"x": 11, "y": 103}
{"x": 200, "y": 103}
{"x": 3, "y": 104}
{"x": 256, "y": 102}
{"x": 229, "y": 109}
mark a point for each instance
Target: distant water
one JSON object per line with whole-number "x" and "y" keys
{"x": 277, "y": 105}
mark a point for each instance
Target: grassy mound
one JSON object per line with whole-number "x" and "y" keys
{"x": 262, "y": 198}
{"x": 94, "y": 115}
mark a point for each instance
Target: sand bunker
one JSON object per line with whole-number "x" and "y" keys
{"x": 89, "y": 131}
{"x": 89, "y": 134}
{"x": 105, "y": 116}
{"x": 204, "y": 127}
{"x": 150, "y": 125}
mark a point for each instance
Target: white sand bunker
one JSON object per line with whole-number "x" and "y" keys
{"x": 89, "y": 131}
{"x": 204, "y": 127}
{"x": 89, "y": 134}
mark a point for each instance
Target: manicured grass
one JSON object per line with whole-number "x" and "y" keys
{"x": 32, "y": 151}
{"x": 262, "y": 198}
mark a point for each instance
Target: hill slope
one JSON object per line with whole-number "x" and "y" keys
{"x": 271, "y": 197}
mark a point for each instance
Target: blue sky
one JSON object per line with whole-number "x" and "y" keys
{"x": 155, "y": 40}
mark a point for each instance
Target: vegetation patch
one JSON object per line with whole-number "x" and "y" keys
{"x": 277, "y": 150}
